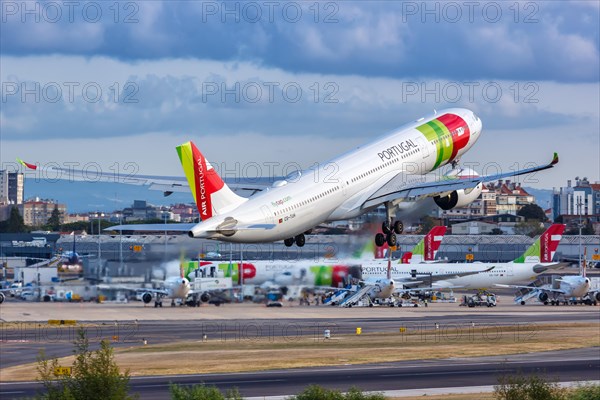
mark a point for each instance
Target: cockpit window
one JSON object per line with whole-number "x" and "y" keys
{"x": 293, "y": 176}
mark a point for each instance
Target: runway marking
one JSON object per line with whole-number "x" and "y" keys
{"x": 446, "y": 373}
{"x": 214, "y": 383}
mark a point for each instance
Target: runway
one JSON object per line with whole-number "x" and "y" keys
{"x": 22, "y": 340}
{"x": 570, "y": 365}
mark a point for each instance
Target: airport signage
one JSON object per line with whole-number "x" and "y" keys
{"x": 62, "y": 371}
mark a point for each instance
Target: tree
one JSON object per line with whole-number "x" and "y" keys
{"x": 54, "y": 220}
{"x": 427, "y": 223}
{"x": 15, "y": 223}
{"x": 529, "y": 228}
{"x": 94, "y": 375}
{"x": 523, "y": 387}
{"x": 532, "y": 212}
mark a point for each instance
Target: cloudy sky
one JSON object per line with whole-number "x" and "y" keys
{"x": 293, "y": 83}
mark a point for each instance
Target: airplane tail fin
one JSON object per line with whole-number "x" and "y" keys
{"x": 584, "y": 263}
{"x": 211, "y": 194}
{"x": 427, "y": 248}
{"x": 543, "y": 249}
{"x": 370, "y": 251}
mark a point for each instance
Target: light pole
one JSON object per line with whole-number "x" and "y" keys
{"x": 579, "y": 205}
{"x": 98, "y": 216}
{"x": 165, "y": 215}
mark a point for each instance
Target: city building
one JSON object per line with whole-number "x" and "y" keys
{"x": 36, "y": 211}
{"x": 70, "y": 218}
{"x": 580, "y": 201}
{"x": 496, "y": 198}
{"x": 11, "y": 187}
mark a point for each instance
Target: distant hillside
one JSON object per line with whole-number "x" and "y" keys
{"x": 99, "y": 196}
{"x": 543, "y": 197}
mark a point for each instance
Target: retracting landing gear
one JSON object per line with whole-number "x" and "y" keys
{"x": 390, "y": 229}
{"x": 299, "y": 240}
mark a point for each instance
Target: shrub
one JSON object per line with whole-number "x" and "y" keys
{"x": 315, "y": 392}
{"x": 202, "y": 392}
{"x": 94, "y": 375}
{"x": 585, "y": 392}
{"x": 531, "y": 387}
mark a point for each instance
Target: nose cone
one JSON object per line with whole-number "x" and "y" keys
{"x": 476, "y": 126}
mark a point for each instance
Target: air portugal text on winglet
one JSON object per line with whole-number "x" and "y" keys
{"x": 358, "y": 184}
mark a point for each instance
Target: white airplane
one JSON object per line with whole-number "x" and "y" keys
{"x": 173, "y": 287}
{"x": 536, "y": 259}
{"x": 565, "y": 288}
{"x": 332, "y": 273}
{"x": 387, "y": 171}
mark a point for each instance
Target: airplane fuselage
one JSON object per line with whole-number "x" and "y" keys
{"x": 502, "y": 273}
{"x": 337, "y": 189}
{"x": 575, "y": 286}
{"x": 177, "y": 287}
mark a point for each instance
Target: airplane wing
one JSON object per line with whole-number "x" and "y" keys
{"x": 432, "y": 279}
{"x": 409, "y": 186}
{"x": 180, "y": 227}
{"x": 535, "y": 288}
{"x": 166, "y": 184}
{"x": 132, "y": 289}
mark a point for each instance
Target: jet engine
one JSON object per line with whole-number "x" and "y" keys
{"x": 205, "y": 297}
{"x": 462, "y": 197}
{"x": 596, "y": 296}
{"x": 1, "y": 297}
{"x": 543, "y": 297}
{"x": 147, "y": 297}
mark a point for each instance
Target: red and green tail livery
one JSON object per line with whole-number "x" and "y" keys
{"x": 210, "y": 193}
{"x": 543, "y": 249}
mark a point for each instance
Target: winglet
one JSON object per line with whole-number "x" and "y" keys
{"x": 554, "y": 159}
{"x": 27, "y": 165}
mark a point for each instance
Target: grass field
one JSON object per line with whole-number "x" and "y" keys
{"x": 263, "y": 353}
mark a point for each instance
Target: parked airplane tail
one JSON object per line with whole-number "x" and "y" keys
{"x": 543, "y": 249}
{"x": 370, "y": 251}
{"x": 211, "y": 194}
{"x": 427, "y": 248}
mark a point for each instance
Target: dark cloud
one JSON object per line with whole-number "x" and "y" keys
{"x": 492, "y": 40}
{"x": 219, "y": 105}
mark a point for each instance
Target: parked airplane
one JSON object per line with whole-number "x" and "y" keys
{"x": 565, "y": 288}
{"x": 426, "y": 250}
{"x": 173, "y": 287}
{"x": 388, "y": 171}
{"x": 323, "y": 273}
{"x": 536, "y": 259}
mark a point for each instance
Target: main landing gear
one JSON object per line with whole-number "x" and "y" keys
{"x": 390, "y": 230}
{"x": 298, "y": 239}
